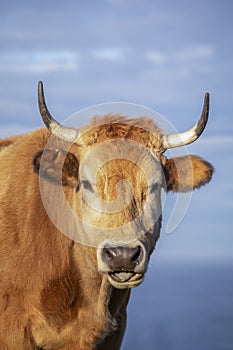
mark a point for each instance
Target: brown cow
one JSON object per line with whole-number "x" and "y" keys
{"x": 59, "y": 292}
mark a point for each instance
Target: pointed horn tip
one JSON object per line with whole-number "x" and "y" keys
{"x": 40, "y": 85}
{"x": 207, "y": 99}
{"x": 207, "y": 95}
{"x": 201, "y": 124}
{"x": 206, "y": 105}
{"x": 40, "y": 91}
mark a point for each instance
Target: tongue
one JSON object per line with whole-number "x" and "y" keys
{"x": 122, "y": 276}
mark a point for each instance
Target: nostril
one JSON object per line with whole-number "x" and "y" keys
{"x": 109, "y": 254}
{"x": 136, "y": 255}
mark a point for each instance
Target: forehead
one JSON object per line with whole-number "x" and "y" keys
{"x": 141, "y": 130}
{"x": 120, "y": 159}
{"x": 117, "y": 146}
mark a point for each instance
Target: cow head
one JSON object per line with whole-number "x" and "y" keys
{"x": 116, "y": 169}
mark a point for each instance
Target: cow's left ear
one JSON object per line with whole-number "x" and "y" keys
{"x": 50, "y": 163}
{"x": 186, "y": 173}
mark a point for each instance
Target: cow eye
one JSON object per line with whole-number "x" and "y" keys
{"x": 87, "y": 185}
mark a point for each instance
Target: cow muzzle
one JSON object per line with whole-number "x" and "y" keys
{"x": 125, "y": 264}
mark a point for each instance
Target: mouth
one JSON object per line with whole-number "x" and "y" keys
{"x": 125, "y": 279}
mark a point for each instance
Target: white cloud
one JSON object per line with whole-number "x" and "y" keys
{"x": 187, "y": 54}
{"x": 157, "y": 57}
{"x": 109, "y": 54}
{"x": 38, "y": 61}
{"x": 195, "y": 53}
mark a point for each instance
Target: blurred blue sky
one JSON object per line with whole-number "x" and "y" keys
{"x": 162, "y": 54}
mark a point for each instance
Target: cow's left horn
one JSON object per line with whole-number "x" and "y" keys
{"x": 64, "y": 133}
{"x": 189, "y": 136}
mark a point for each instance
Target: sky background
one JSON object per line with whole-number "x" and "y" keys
{"x": 161, "y": 54}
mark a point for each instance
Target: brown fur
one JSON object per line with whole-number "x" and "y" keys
{"x": 52, "y": 162}
{"x": 8, "y": 141}
{"x": 51, "y": 293}
{"x": 142, "y": 130}
{"x": 187, "y": 173}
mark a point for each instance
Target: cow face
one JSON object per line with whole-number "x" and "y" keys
{"x": 113, "y": 174}
{"x": 120, "y": 189}
{"x": 116, "y": 194}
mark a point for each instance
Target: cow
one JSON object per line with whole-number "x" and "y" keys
{"x": 70, "y": 290}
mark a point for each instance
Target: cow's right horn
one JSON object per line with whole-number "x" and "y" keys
{"x": 189, "y": 136}
{"x": 64, "y": 133}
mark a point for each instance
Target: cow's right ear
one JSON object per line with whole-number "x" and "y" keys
{"x": 186, "y": 173}
{"x": 50, "y": 163}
